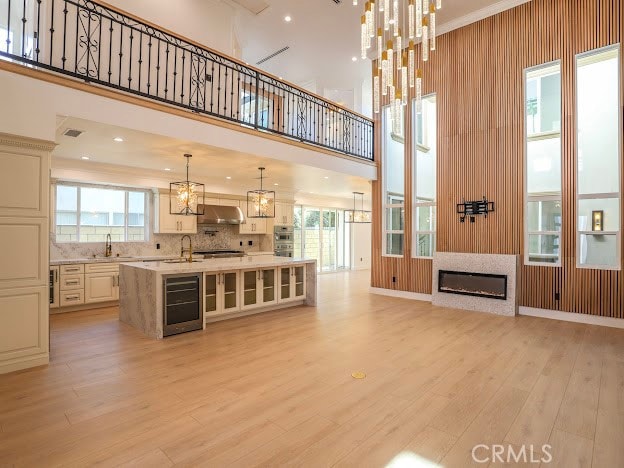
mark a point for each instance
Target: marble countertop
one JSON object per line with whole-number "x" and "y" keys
{"x": 255, "y": 254}
{"x": 218, "y": 264}
{"x": 115, "y": 259}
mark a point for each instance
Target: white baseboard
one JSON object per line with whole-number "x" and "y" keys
{"x": 572, "y": 317}
{"x": 26, "y": 362}
{"x": 401, "y": 294}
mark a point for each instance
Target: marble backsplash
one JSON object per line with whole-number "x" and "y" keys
{"x": 207, "y": 238}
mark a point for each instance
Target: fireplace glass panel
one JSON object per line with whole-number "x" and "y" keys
{"x": 473, "y": 284}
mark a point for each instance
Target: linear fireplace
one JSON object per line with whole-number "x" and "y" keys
{"x": 473, "y": 284}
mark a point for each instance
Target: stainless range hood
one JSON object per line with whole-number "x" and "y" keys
{"x": 217, "y": 214}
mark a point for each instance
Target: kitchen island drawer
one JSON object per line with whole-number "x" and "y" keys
{"x": 71, "y": 282}
{"x": 69, "y": 298}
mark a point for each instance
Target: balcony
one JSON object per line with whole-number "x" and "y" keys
{"x": 89, "y": 42}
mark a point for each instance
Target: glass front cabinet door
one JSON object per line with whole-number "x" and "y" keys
{"x": 258, "y": 288}
{"x": 221, "y": 293}
{"x": 292, "y": 283}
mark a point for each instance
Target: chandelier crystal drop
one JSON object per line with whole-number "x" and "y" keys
{"x": 400, "y": 35}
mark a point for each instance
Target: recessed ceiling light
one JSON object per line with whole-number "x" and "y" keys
{"x": 228, "y": 178}
{"x": 276, "y": 184}
{"x": 118, "y": 139}
{"x": 287, "y": 18}
{"x": 326, "y": 177}
{"x": 167, "y": 169}
{"x": 86, "y": 158}
{"x": 354, "y": 59}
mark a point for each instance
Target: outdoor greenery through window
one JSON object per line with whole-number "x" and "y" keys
{"x": 86, "y": 213}
{"x": 543, "y": 214}
{"x": 424, "y": 167}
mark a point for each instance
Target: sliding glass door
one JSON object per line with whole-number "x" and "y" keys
{"x": 320, "y": 233}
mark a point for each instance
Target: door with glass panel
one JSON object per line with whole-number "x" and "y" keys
{"x": 318, "y": 236}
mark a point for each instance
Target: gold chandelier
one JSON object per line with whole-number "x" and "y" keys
{"x": 186, "y": 198}
{"x": 392, "y": 28}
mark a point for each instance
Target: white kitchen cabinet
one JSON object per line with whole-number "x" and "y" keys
{"x": 221, "y": 292}
{"x": 253, "y": 226}
{"x": 258, "y": 288}
{"x": 229, "y": 202}
{"x": 292, "y": 285}
{"x": 72, "y": 269}
{"x": 72, "y": 282}
{"x": 101, "y": 282}
{"x": 54, "y": 290}
{"x": 101, "y": 287}
{"x": 73, "y": 297}
{"x": 167, "y": 223}
{"x": 284, "y": 214}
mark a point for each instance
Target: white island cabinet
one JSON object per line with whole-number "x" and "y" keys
{"x": 232, "y": 287}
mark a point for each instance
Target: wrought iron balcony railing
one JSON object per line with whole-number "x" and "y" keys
{"x": 91, "y": 42}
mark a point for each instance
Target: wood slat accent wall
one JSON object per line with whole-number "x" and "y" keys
{"x": 477, "y": 74}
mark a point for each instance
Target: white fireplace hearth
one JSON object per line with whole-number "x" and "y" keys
{"x": 483, "y": 283}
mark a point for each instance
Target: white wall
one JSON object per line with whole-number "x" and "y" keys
{"x": 209, "y": 22}
{"x": 36, "y": 117}
{"x": 361, "y": 245}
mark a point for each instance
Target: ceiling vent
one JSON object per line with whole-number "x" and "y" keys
{"x": 273, "y": 55}
{"x": 72, "y": 132}
{"x": 337, "y": 2}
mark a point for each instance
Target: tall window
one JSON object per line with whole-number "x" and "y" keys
{"x": 598, "y": 158}
{"x": 424, "y": 189}
{"x": 394, "y": 188}
{"x": 88, "y": 213}
{"x": 543, "y": 165}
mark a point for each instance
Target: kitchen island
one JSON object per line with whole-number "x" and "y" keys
{"x": 229, "y": 287}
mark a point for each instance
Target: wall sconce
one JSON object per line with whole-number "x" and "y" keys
{"x": 597, "y": 220}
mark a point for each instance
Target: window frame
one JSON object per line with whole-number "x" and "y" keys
{"x": 385, "y": 194}
{"x": 603, "y": 195}
{"x": 533, "y": 198}
{"x": 423, "y": 147}
{"x": 127, "y": 190}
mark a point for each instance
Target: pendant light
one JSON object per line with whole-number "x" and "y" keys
{"x": 187, "y": 198}
{"x": 261, "y": 203}
{"x": 356, "y": 216}
{"x": 403, "y": 44}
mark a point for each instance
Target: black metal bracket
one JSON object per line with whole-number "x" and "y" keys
{"x": 474, "y": 208}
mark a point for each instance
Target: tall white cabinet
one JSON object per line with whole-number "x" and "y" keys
{"x": 24, "y": 250}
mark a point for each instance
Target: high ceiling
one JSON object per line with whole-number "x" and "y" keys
{"x": 324, "y": 36}
{"x": 148, "y": 155}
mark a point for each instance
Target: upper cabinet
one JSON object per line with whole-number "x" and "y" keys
{"x": 284, "y": 213}
{"x": 167, "y": 223}
{"x": 253, "y": 226}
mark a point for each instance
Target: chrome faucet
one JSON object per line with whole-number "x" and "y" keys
{"x": 190, "y": 249}
{"x": 109, "y": 246}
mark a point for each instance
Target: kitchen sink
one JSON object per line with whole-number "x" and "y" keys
{"x": 180, "y": 261}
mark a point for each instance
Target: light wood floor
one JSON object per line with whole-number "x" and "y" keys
{"x": 276, "y": 389}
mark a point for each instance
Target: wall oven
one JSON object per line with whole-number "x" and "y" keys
{"x": 284, "y": 241}
{"x": 182, "y": 304}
